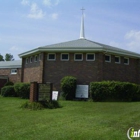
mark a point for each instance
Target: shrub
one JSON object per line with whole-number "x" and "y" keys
{"x": 9, "y": 83}
{"x": 41, "y": 105}
{"x": 22, "y": 90}
{"x": 68, "y": 86}
{"x": 114, "y": 91}
{"x": 8, "y": 91}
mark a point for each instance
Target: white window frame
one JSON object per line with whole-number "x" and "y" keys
{"x": 119, "y": 60}
{"x": 31, "y": 59}
{"x": 127, "y": 59}
{"x": 90, "y": 54}
{"x": 107, "y": 60}
{"x": 27, "y": 60}
{"x": 65, "y": 59}
{"x": 78, "y": 59}
{"x": 13, "y": 71}
{"x": 51, "y": 59}
{"x": 36, "y": 58}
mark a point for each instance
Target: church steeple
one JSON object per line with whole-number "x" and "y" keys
{"x": 82, "y": 32}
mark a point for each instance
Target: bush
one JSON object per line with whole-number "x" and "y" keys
{"x": 22, "y": 90}
{"x": 9, "y": 83}
{"x": 114, "y": 91}
{"x": 8, "y": 91}
{"x": 68, "y": 86}
{"x": 41, "y": 105}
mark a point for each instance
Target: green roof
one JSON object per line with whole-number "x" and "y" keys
{"x": 81, "y": 45}
{"x": 11, "y": 64}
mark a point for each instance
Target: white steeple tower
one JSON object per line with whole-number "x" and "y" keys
{"x": 82, "y": 32}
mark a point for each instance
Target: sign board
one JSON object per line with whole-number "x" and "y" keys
{"x": 44, "y": 92}
{"x": 54, "y": 95}
{"x": 82, "y": 91}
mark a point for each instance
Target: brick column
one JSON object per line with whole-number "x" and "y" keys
{"x": 33, "y": 92}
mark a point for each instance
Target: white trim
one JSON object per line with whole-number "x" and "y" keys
{"x": 77, "y": 54}
{"x": 35, "y": 60}
{"x": 109, "y": 57}
{"x": 119, "y": 60}
{"x": 13, "y": 71}
{"x": 64, "y": 59}
{"x": 127, "y": 59}
{"x": 51, "y": 59}
{"x": 89, "y": 54}
{"x": 31, "y": 59}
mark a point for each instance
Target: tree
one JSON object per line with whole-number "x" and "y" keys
{"x": 1, "y": 58}
{"x": 9, "y": 57}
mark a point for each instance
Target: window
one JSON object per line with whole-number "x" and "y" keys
{"x": 78, "y": 57}
{"x": 90, "y": 57}
{"x": 64, "y": 57}
{"x": 51, "y": 56}
{"x": 40, "y": 56}
{"x": 117, "y": 59}
{"x": 126, "y": 61}
{"x": 36, "y": 58}
{"x": 13, "y": 71}
{"x": 31, "y": 59}
{"x": 27, "y": 60}
{"x": 107, "y": 58}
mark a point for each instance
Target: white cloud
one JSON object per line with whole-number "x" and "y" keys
{"x": 133, "y": 40}
{"x": 57, "y": 2}
{"x": 36, "y": 12}
{"x": 15, "y": 48}
{"x": 51, "y": 3}
{"x": 54, "y": 16}
{"x": 47, "y": 3}
{"x": 25, "y": 2}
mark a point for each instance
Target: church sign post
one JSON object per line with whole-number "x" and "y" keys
{"x": 40, "y": 92}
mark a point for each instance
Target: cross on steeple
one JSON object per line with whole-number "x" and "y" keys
{"x": 82, "y": 32}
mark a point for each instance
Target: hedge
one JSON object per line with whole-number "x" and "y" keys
{"x": 8, "y": 91}
{"x": 22, "y": 90}
{"x": 114, "y": 91}
{"x": 68, "y": 86}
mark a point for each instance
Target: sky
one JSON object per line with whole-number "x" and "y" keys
{"x": 28, "y": 24}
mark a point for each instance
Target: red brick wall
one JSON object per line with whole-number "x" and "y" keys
{"x": 12, "y": 77}
{"x": 120, "y": 72}
{"x": 32, "y": 71}
{"x": 84, "y": 71}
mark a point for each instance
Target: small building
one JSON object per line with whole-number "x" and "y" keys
{"x": 84, "y": 59}
{"x": 10, "y": 71}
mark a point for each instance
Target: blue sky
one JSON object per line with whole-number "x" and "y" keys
{"x": 27, "y": 24}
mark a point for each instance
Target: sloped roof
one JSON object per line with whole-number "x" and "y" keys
{"x": 11, "y": 64}
{"x": 81, "y": 45}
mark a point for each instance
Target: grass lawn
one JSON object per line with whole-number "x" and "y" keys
{"x": 77, "y": 120}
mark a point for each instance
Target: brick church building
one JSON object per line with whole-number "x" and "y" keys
{"x": 84, "y": 59}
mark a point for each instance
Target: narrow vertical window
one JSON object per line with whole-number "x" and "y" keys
{"x": 107, "y": 58}
{"x": 90, "y": 56}
{"x": 27, "y": 60}
{"x": 64, "y": 57}
{"x": 117, "y": 59}
{"x": 51, "y": 56}
{"x": 36, "y": 58}
{"x": 78, "y": 57}
{"x": 126, "y": 61}
{"x": 31, "y": 59}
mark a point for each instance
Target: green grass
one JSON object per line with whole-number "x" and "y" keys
{"x": 76, "y": 120}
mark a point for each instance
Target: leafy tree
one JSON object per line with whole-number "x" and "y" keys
{"x": 1, "y": 58}
{"x": 9, "y": 57}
